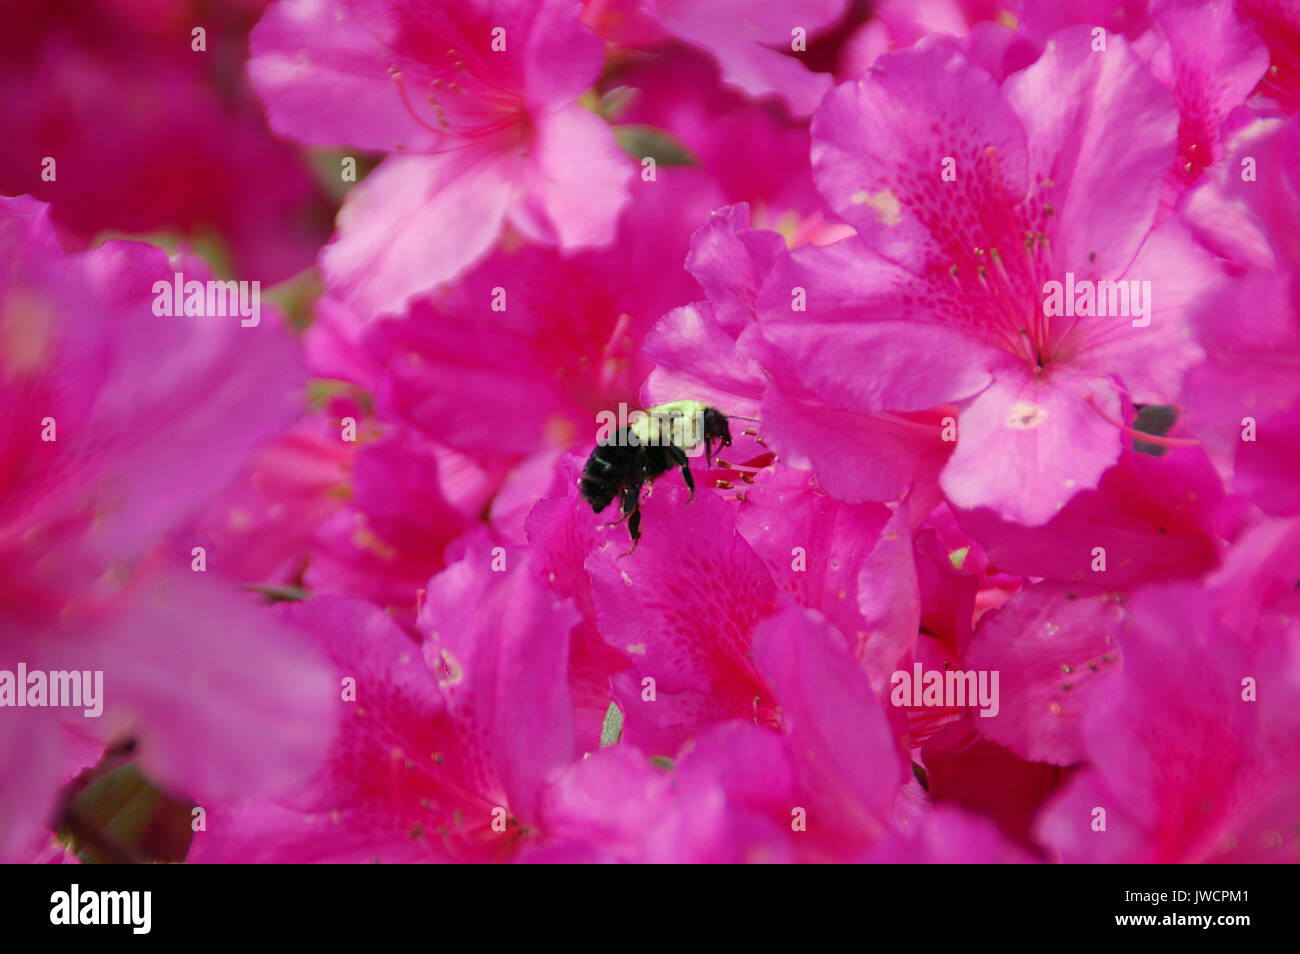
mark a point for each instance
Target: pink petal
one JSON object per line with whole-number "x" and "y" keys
{"x": 414, "y": 222}
{"x": 222, "y": 698}
{"x": 1155, "y": 517}
{"x": 1052, "y": 650}
{"x": 855, "y": 566}
{"x": 848, "y": 766}
{"x": 325, "y": 79}
{"x": 947, "y": 835}
{"x": 579, "y": 177}
{"x": 740, "y": 32}
{"x": 1104, "y": 188}
{"x": 696, "y": 653}
{"x": 506, "y": 667}
{"x": 880, "y": 169}
{"x": 1026, "y": 445}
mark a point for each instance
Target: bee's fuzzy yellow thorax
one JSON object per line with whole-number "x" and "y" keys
{"x": 679, "y": 423}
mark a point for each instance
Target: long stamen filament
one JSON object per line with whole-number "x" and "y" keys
{"x": 1141, "y": 435}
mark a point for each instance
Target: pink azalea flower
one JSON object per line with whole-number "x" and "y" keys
{"x": 123, "y": 423}
{"x": 1192, "y": 746}
{"x": 474, "y": 103}
{"x": 853, "y": 562}
{"x": 680, "y": 669}
{"x": 1211, "y": 61}
{"x": 698, "y": 652}
{"x": 944, "y": 300}
{"x": 445, "y": 751}
{"x": 820, "y": 789}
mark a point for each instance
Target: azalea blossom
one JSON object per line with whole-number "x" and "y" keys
{"x": 103, "y": 458}
{"x": 945, "y": 294}
{"x": 475, "y": 105}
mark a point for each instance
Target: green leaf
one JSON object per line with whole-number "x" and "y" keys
{"x": 117, "y": 805}
{"x": 119, "y": 816}
{"x": 612, "y": 729}
{"x": 1155, "y": 419}
{"x": 662, "y": 761}
{"x": 647, "y": 141}
{"x": 613, "y": 104}
{"x": 279, "y": 593}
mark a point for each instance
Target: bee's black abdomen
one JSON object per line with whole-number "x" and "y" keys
{"x": 607, "y": 472}
{"x": 597, "y": 494}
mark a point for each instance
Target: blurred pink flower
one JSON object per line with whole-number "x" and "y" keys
{"x": 112, "y": 92}
{"x": 475, "y": 105}
{"x": 121, "y": 423}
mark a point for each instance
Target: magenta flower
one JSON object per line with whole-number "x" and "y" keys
{"x": 822, "y": 788}
{"x": 699, "y": 660}
{"x": 996, "y": 563}
{"x": 944, "y": 295}
{"x": 105, "y": 457}
{"x": 474, "y": 104}
{"x": 1211, "y": 61}
{"x": 446, "y": 745}
{"x": 1192, "y": 745}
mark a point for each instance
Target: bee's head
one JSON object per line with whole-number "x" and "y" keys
{"x": 716, "y": 426}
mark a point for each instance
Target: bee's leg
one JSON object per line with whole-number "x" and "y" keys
{"x": 678, "y": 457}
{"x": 634, "y": 531}
{"x": 628, "y": 496}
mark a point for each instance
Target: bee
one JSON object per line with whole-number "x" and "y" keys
{"x": 645, "y": 450}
